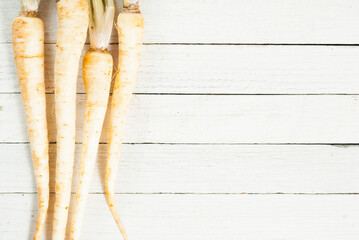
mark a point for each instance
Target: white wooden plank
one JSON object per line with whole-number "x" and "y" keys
{"x": 198, "y": 217}
{"x": 204, "y": 169}
{"x": 225, "y": 69}
{"x": 214, "y": 119}
{"x": 230, "y": 21}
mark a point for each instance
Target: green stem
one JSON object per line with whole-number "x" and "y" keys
{"x": 30, "y": 5}
{"x": 102, "y": 13}
{"x": 129, "y": 3}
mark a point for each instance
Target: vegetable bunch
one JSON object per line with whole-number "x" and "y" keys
{"x": 28, "y": 40}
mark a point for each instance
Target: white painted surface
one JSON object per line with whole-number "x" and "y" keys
{"x": 214, "y": 147}
{"x": 205, "y": 169}
{"x": 228, "y": 21}
{"x": 213, "y": 119}
{"x": 232, "y": 217}
{"x": 225, "y": 69}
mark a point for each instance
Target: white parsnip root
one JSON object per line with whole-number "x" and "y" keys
{"x": 130, "y": 35}
{"x": 97, "y": 76}
{"x": 72, "y": 33}
{"x": 97, "y": 72}
{"x": 28, "y": 43}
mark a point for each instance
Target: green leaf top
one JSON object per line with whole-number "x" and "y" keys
{"x": 102, "y": 13}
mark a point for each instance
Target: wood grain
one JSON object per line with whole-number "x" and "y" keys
{"x": 230, "y": 21}
{"x": 204, "y": 169}
{"x": 224, "y": 69}
{"x": 175, "y": 217}
{"x": 213, "y": 119}
{"x": 208, "y": 149}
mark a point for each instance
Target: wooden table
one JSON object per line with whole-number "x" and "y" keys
{"x": 244, "y": 125}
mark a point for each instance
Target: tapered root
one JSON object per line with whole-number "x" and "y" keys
{"x": 130, "y": 33}
{"x": 28, "y": 43}
{"x": 43, "y": 203}
{"x": 73, "y": 25}
{"x": 111, "y": 201}
{"x": 97, "y": 73}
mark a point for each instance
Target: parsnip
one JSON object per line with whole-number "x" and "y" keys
{"x": 130, "y": 34}
{"x": 73, "y": 25}
{"x": 28, "y": 43}
{"x": 97, "y": 75}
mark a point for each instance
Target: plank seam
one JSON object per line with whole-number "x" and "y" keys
{"x": 238, "y": 44}
{"x": 190, "y": 193}
{"x": 259, "y": 144}
{"x": 214, "y": 94}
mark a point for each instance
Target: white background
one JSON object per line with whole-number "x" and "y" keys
{"x": 244, "y": 125}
